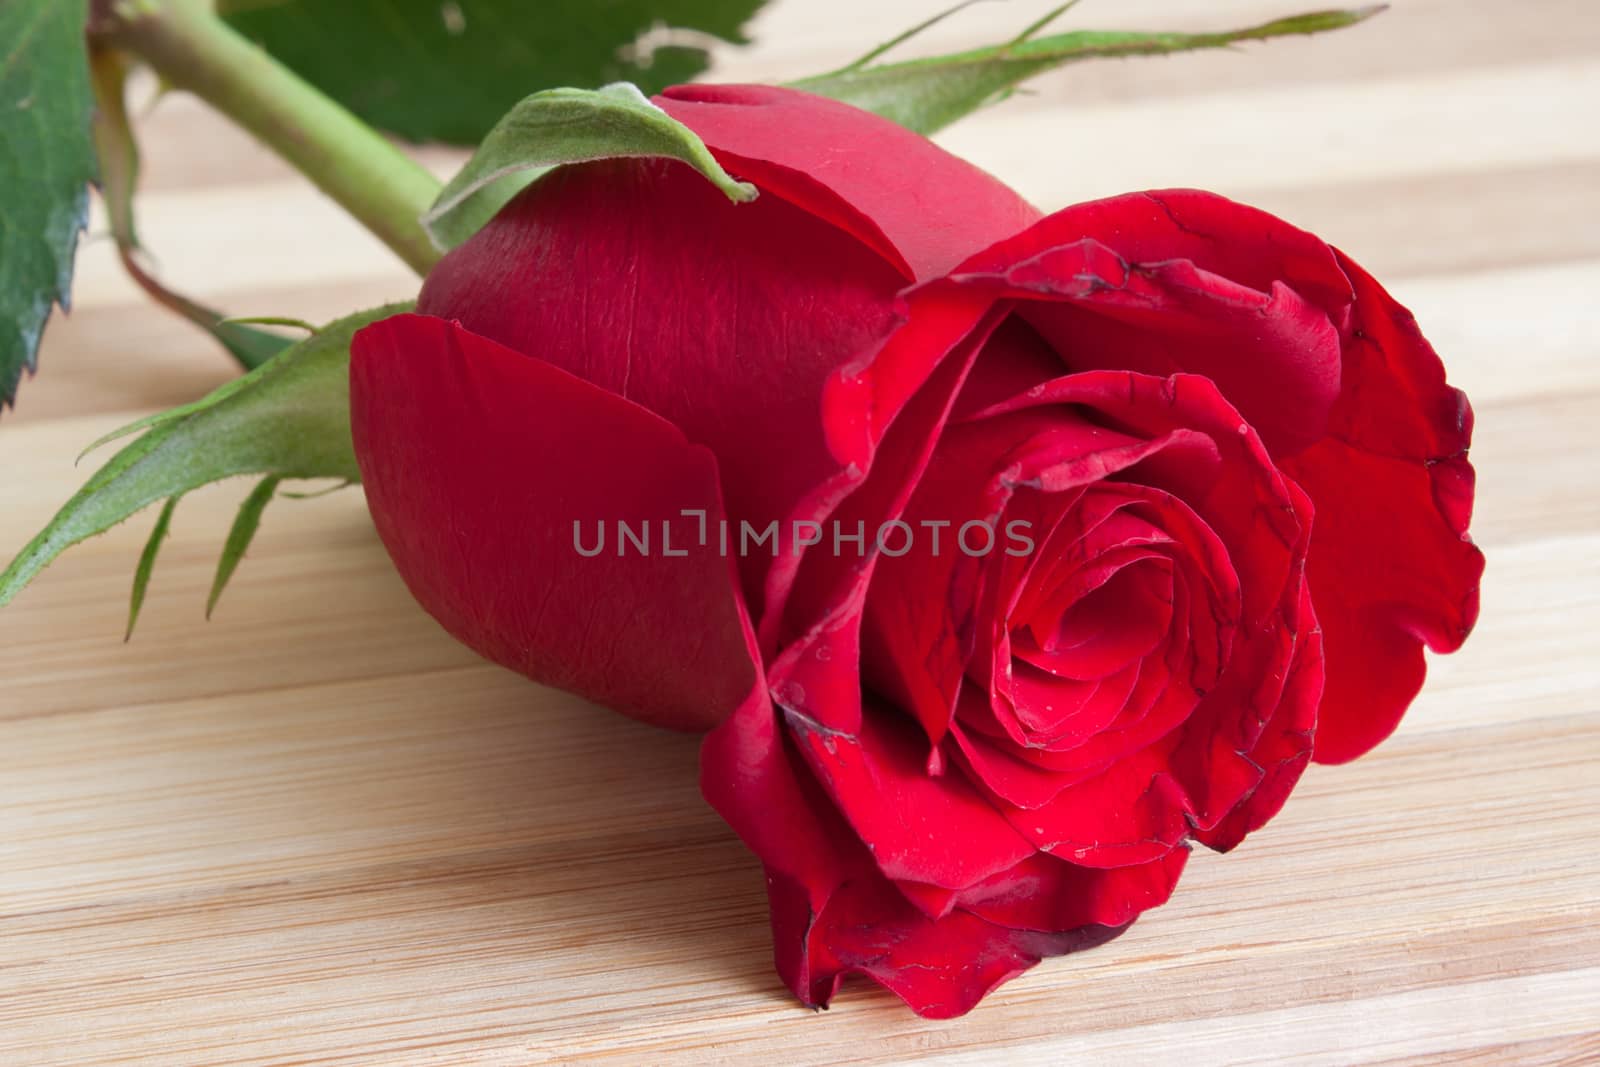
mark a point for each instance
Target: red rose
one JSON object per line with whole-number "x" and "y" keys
{"x": 1085, "y": 526}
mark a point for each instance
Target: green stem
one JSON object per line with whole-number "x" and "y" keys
{"x": 191, "y": 48}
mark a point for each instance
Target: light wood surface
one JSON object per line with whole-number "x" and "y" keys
{"x": 315, "y": 829}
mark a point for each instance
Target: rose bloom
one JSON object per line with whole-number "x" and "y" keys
{"x": 1241, "y": 469}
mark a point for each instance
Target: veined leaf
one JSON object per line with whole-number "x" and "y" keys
{"x": 446, "y": 70}
{"x": 927, "y": 95}
{"x": 46, "y": 165}
{"x": 290, "y": 418}
{"x": 559, "y": 126}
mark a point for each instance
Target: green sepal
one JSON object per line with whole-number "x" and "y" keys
{"x": 240, "y": 535}
{"x": 560, "y": 126}
{"x": 147, "y": 564}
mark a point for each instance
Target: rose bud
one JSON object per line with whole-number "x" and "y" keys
{"x": 1087, "y": 532}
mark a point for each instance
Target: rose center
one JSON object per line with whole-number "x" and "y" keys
{"x": 1099, "y": 623}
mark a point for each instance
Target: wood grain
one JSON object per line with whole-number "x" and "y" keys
{"x": 316, "y": 830}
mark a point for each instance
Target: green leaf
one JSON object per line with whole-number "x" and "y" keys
{"x": 446, "y": 70}
{"x": 240, "y": 535}
{"x": 147, "y": 564}
{"x": 927, "y": 95}
{"x": 289, "y": 418}
{"x": 559, "y": 126}
{"x": 46, "y": 165}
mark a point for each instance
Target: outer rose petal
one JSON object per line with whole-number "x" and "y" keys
{"x": 1159, "y": 308}
{"x": 1391, "y": 566}
{"x": 751, "y": 776}
{"x": 942, "y": 967}
{"x": 1047, "y": 893}
{"x": 1285, "y": 745}
{"x": 895, "y": 190}
{"x": 1218, "y": 235}
{"x": 935, "y": 829}
{"x": 478, "y": 461}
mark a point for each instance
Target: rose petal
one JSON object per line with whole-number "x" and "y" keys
{"x": 1391, "y": 566}
{"x": 1284, "y": 747}
{"x": 1057, "y": 714}
{"x": 921, "y": 827}
{"x": 1389, "y": 573}
{"x": 478, "y": 462}
{"x": 1133, "y": 301}
{"x": 751, "y": 776}
{"x": 1395, "y": 401}
{"x": 1243, "y": 498}
{"x": 898, "y": 192}
{"x": 943, "y": 967}
{"x": 1048, "y": 893}
{"x": 1247, "y": 742}
{"x": 1217, "y": 235}
{"x": 1134, "y": 811}
{"x": 832, "y": 913}
{"x": 1115, "y": 611}
{"x": 886, "y": 415}
{"x": 1200, "y": 773}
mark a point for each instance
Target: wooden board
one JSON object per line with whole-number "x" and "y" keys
{"x": 315, "y": 829}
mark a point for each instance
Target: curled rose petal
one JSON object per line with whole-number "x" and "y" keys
{"x": 1392, "y": 567}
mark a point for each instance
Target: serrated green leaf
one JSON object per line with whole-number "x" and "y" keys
{"x": 240, "y": 535}
{"x": 927, "y": 95}
{"x": 46, "y": 165}
{"x": 147, "y": 564}
{"x": 559, "y": 126}
{"x": 289, "y": 418}
{"x": 446, "y": 71}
